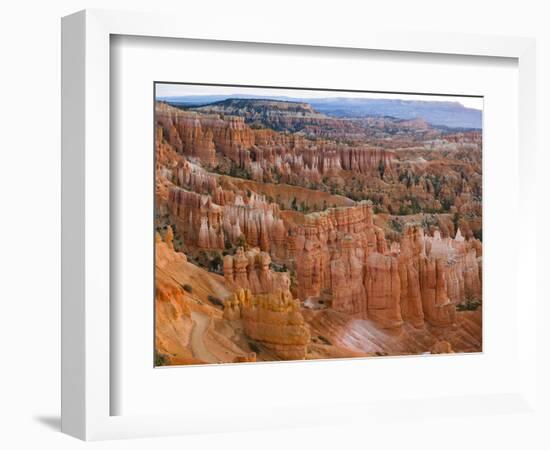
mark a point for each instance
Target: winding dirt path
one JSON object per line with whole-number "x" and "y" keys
{"x": 202, "y": 322}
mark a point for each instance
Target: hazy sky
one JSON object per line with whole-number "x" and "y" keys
{"x": 169, "y": 90}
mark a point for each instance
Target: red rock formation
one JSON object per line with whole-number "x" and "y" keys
{"x": 409, "y": 252}
{"x": 383, "y": 288}
{"x": 185, "y": 133}
{"x": 251, "y": 270}
{"x": 200, "y": 135}
{"x": 347, "y": 271}
{"x": 341, "y": 252}
{"x": 424, "y": 278}
{"x": 206, "y": 221}
{"x": 333, "y": 254}
{"x": 438, "y": 309}
{"x": 320, "y": 240}
{"x": 265, "y": 184}
{"x": 197, "y": 218}
{"x": 269, "y": 156}
{"x": 264, "y": 152}
{"x": 463, "y": 265}
{"x": 272, "y": 319}
{"x": 441, "y": 347}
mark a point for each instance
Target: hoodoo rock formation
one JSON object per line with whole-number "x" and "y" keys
{"x": 343, "y": 253}
{"x": 383, "y": 288}
{"x": 273, "y": 319}
{"x": 265, "y": 154}
{"x": 331, "y": 245}
{"x": 251, "y": 270}
{"x": 285, "y": 233}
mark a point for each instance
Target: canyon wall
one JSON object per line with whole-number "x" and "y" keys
{"x": 264, "y": 153}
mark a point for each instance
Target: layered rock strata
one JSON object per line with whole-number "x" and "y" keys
{"x": 264, "y": 152}
{"x": 251, "y": 270}
{"x": 208, "y": 225}
{"x": 273, "y": 319}
{"x": 224, "y": 182}
{"x": 342, "y": 253}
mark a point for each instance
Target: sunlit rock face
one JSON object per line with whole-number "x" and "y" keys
{"x": 330, "y": 250}
{"x": 208, "y": 225}
{"x": 272, "y": 319}
{"x": 251, "y": 270}
{"x": 383, "y": 290}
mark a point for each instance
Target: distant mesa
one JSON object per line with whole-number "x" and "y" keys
{"x": 240, "y": 105}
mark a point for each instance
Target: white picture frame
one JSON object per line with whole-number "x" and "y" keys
{"x": 86, "y": 325}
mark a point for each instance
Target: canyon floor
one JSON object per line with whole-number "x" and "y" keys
{"x": 284, "y": 233}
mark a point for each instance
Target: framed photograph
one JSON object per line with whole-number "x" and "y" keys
{"x": 266, "y": 232}
{"x": 303, "y": 224}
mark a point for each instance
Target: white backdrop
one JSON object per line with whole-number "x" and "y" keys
{"x": 30, "y": 186}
